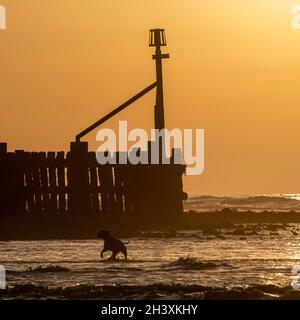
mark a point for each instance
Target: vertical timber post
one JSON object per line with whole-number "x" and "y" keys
{"x": 79, "y": 179}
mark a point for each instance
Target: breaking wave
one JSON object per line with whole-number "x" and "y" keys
{"x": 48, "y": 268}
{"x": 255, "y": 203}
{"x": 190, "y": 263}
{"x": 153, "y": 291}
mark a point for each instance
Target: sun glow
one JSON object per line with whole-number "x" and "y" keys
{"x": 234, "y": 71}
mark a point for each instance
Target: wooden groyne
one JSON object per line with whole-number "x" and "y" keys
{"x": 74, "y": 184}
{"x": 58, "y": 194}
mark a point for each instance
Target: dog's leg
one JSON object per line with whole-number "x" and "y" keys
{"x": 124, "y": 251}
{"x": 101, "y": 254}
{"x": 113, "y": 256}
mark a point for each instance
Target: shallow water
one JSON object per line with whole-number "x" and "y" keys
{"x": 228, "y": 262}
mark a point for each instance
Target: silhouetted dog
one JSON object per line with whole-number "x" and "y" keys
{"x": 112, "y": 244}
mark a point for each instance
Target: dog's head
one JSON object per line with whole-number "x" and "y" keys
{"x": 103, "y": 234}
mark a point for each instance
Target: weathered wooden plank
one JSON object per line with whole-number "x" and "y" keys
{"x": 94, "y": 189}
{"x": 17, "y": 176}
{"x": 36, "y": 181}
{"x": 52, "y": 181}
{"x": 28, "y": 182}
{"x": 44, "y": 181}
{"x": 78, "y": 175}
{"x": 118, "y": 188}
{"x": 107, "y": 188}
{"x": 61, "y": 180}
{"x": 78, "y": 184}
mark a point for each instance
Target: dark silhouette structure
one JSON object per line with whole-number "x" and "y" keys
{"x": 157, "y": 39}
{"x": 55, "y": 184}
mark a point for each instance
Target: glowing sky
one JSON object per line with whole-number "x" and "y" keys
{"x": 234, "y": 71}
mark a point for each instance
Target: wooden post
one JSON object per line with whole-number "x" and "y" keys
{"x": 107, "y": 188}
{"x": 28, "y": 182}
{"x": 118, "y": 189}
{"x": 61, "y": 180}
{"x": 79, "y": 179}
{"x": 19, "y": 187}
{"x": 3, "y": 149}
{"x": 36, "y": 181}
{"x": 44, "y": 181}
{"x": 94, "y": 182}
{"x": 52, "y": 182}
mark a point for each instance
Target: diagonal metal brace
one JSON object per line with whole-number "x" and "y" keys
{"x": 115, "y": 111}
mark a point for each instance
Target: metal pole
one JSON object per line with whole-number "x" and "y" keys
{"x": 115, "y": 111}
{"x": 159, "y": 40}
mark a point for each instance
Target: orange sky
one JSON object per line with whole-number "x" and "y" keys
{"x": 234, "y": 71}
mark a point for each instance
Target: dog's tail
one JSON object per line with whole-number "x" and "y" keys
{"x": 127, "y": 242}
